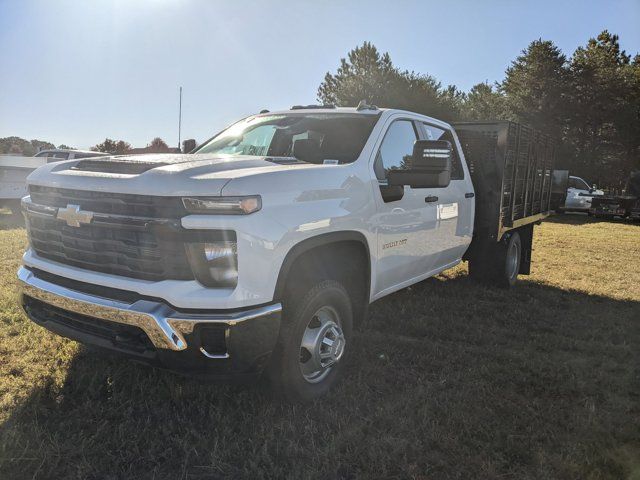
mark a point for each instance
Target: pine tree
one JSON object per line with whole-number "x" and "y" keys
{"x": 604, "y": 109}
{"x": 536, "y": 87}
{"x": 368, "y": 75}
{"x": 484, "y": 103}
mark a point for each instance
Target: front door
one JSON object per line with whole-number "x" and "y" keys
{"x": 577, "y": 194}
{"x": 407, "y": 218}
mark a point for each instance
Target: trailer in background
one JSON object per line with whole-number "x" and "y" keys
{"x": 624, "y": 206}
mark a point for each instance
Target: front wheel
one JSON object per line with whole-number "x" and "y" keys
{"x": 313, "y": 342}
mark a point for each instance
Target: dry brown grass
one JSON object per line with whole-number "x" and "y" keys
{"x": 448, "y": 379}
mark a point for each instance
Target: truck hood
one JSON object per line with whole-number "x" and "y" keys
{"x": 158, "y": 174}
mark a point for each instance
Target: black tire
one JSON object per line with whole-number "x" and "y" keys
{"x": 510, "y": 259}
{"x": 285, "y": 369}
{"x": 501, "y": 266}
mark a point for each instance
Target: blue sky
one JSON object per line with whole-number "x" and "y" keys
{"x": 76, "y": 72}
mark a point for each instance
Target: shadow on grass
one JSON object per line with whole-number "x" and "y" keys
{"x": 447, "y": 379}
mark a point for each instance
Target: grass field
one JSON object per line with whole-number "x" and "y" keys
{"x": 447, "y": 379}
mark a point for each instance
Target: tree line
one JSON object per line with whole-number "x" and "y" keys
{"x": 20, "y": 146}
{"x": 28, "y": 148}
{"x": 590, "y": 101}
{"x": 120, "y": 147}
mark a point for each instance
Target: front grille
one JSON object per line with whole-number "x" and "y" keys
{"x": 145, "y": 254}
{"x": 149, "y": 248}
{"x": 125, "y": 337}
{"x": 107, "y": 202}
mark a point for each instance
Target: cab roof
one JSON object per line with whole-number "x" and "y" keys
{"x": 328, "y": 110}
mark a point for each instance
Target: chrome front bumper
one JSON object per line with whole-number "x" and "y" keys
{"x": 167, "y": 329}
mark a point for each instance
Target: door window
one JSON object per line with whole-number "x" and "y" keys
{"x": 396, "y": 148}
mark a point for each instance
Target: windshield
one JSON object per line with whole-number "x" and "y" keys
{"x": 309, "y": 137}
{"x": 578, "y": 183}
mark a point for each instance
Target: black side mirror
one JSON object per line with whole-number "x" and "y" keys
{"x": 188, "y": 145}
{"x": 428, "y": 167}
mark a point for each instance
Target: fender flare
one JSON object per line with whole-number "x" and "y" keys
{"x": 318, "y": 241}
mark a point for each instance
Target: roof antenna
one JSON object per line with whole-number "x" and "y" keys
{"x": 363, "y": 105}
{"x": 180, "y": 122}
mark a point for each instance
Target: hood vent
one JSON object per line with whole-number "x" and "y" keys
{"x": 116, "y": 166}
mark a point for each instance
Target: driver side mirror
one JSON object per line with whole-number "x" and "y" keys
{"x": 428, "y": 167}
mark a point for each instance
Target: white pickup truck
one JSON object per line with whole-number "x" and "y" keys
{"x": 262, "y": 250}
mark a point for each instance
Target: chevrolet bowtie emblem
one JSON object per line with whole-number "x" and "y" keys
{"x": 74, "y": 216}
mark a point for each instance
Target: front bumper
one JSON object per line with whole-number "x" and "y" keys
{"x": 196, "y": 341}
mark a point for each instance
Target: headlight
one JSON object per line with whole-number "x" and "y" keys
{"x": 223, "y": 205}
{"x": 215, "y": 262}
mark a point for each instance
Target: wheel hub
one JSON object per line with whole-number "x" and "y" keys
{"x": 322, "y": 345}
{"x": 513, "y": 259}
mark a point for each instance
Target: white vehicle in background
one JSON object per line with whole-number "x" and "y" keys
{"x": 14, "y": 170}
{"x": 57, "y": 154}
{"x": 579, "y": 195}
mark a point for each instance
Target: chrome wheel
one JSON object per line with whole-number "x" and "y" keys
{"x": 513, "y": 259}
{"x": 322, "y": 345}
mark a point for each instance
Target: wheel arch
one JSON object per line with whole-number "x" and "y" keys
{"x": 320, "y": 251}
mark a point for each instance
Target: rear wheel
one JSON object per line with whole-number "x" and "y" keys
{"x": 512, "y": 258}
{"x": 501, "y": 265}
{"x": 314, "y": 337}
